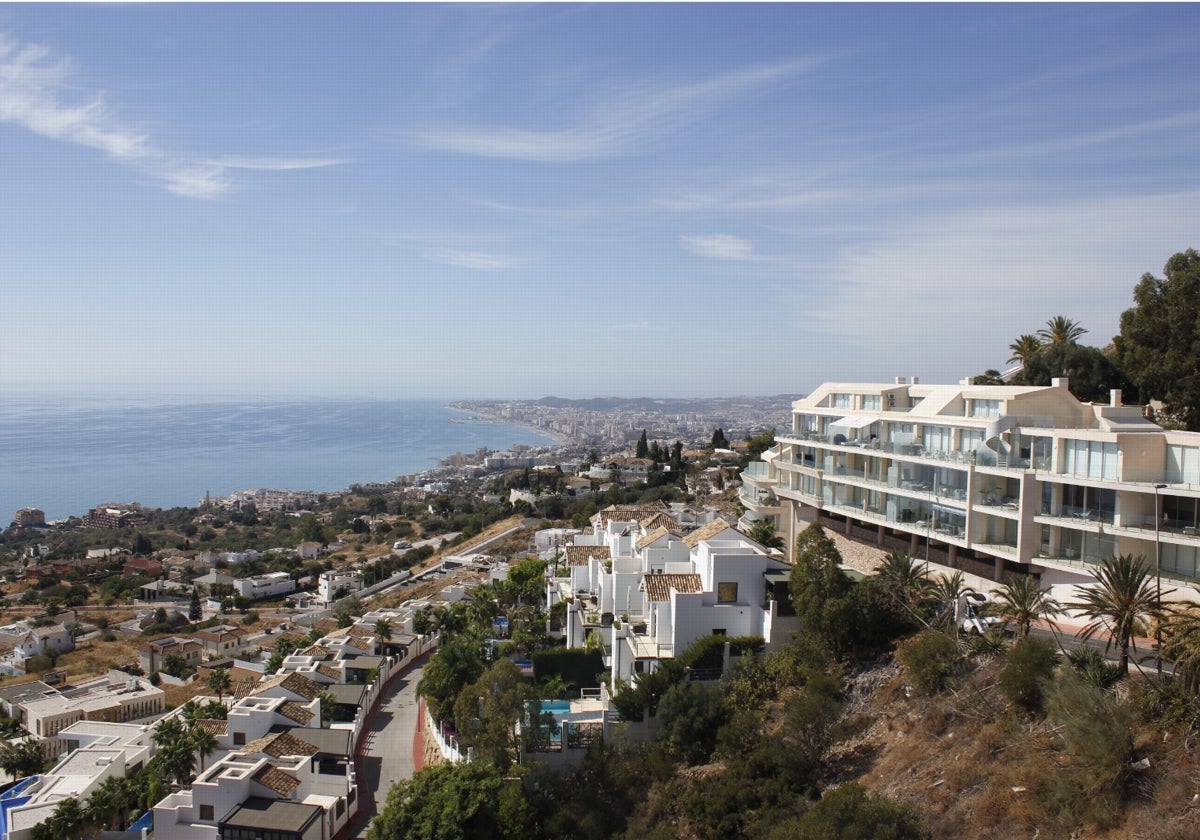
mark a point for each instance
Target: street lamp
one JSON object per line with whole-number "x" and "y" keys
{"x": 1157, "y": 585}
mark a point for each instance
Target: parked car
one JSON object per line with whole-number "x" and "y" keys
{"x": 970, "y": 614}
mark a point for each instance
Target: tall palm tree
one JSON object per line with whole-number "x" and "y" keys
{"x": 383, "y": 629}
{"x": 1124, "y": 592}
{"x": 1023, "y": 602}
{"x": 218, "y": 681}
{"x": 203, "y": 742}
{"x": 1061, "y": 330}
{"x": 1024, "y": 349}
{"x": 107, "y": 804}
{"x": 945, "y": 591}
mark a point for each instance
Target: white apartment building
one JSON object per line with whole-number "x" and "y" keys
{"x": 330, "y": 583}
{"x": 987, "y": 478}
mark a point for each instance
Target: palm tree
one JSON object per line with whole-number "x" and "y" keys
{"x": 383, "y": 629}
{"x": 1023, "y": 602}
{"x": 203, "y": 742}
{"x": 218, "y": 681}
{"x": 1024, "y": 349}
{"x": 945, "y": 591}
{"x": 1181, "y": 643}
{"x": 1061, "y": 330}
{"x": 906, "y": 580}
{"x": 175, "y": 757}
{"x": 109, "y": 803}
{"x": 1124, "y": 591}
{"x": 21, "y": 759}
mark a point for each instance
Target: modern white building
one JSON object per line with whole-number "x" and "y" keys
{"x": 986, "y": 478}
{"x": 270, "y": 585}
{"x": 330, "y": 585}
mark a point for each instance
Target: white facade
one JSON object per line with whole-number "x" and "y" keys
{"x": 270, "y": 585}
{"x": 986, "y": 477}
{"x": 330, "y": 582}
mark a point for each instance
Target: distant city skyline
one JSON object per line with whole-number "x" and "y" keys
{"x": 490, "y": 201}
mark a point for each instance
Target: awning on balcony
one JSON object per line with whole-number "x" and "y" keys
{"x": 853, "y": 421}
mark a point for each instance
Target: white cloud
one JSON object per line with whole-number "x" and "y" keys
{"x": 944, "y": 296}
{"x": 474, "y": 259}
{"x": 39, "y": 93}
{"x": 720, "y": 246}
{"x": 615, "y": 124}
{"x": 276, "y": 164}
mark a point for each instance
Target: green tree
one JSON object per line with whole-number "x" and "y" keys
{"x": 456, "y": 664}
{"x": 465, "y": 801}
{"x": 22, "y": 758}
{"x": 1061, "y": 330}
{"x": 219, "y": 682}
{"x": 763, "y": 532}
{"x": 643, "y": 446}
{"x": 1124, "y": 592}
{"x": 692, "y": 713}
{"x": 383, "y": 629}
{"x": 905, "y": 581}
{"x": 1022, "y": 601}
{"x": 1181, "y": 643}
{"x": 1159, "y": 345}
{"x": 175, "y": 665}
{"x": 1024, "y": 349}
{"x": 816, "y": 582}
{"x": 175, "y": 757}
{"x": 203, "y": 742}
{"x": 1091, "y": 373}
{"x": 487, "y": 711}
{"x": 719, "y": 441}
{"x": 195, "y": 611}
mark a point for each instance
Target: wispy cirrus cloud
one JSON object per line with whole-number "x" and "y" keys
{"x": 720, "y": 246}
{"x": 474, "y": 259}
{"x": 39, "y": 92}
{"x": 614, "y": 124}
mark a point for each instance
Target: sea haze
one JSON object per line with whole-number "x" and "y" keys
{"x": 66, "y": 456}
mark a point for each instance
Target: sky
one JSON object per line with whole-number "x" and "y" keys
{"x": 488, "y": 201}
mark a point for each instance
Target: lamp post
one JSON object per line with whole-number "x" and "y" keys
{"x": 1157, "y": 586}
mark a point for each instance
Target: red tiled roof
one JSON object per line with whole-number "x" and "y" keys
{"x": 658, "y": 587}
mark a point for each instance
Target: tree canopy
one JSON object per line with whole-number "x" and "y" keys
{"x": 1159, "y": 345}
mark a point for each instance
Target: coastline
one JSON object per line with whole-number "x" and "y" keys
{"x": 560, "y": 439}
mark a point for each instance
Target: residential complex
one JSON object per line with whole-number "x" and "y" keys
{"x": 987, "y": 478}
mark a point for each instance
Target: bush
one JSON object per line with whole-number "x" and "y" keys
{"x": 577, "y": 666}
{"x": 1095, "y": 728}
{"x": 850, "y": 813}
{"x": 692, "y": 715}
{"x": 1092, "y": 666}
{"x": 931, "y": 658}
{"x": 1030, "y": 667}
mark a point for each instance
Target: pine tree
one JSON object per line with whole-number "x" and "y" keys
{"x": 643, "y": 446}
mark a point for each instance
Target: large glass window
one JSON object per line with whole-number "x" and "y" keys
{"x": 872, "y": 402}
{"x": 970, "y": 440}
{"x": 985, "y": 408}
{"x": 840, "y": 401}
{"x": 1183, "y": 464}
{"x": 1090, "y": 458}
{"x": 938, "y": 438}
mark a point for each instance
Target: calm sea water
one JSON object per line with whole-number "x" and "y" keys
{"x": 66, "y": 456}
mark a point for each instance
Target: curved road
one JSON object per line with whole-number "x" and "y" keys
{"x": 387, "y": 756}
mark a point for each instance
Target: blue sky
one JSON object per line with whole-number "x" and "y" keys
{"x": 495, "y": 200}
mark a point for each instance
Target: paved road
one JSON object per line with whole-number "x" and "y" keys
{"x": 388, "y": 757}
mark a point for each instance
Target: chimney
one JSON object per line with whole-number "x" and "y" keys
{"x": 1114, "y": 398}
{"x": 916, "y": 380}
{"x": 900, "y": 380}
{"x": 1060, "y": 382}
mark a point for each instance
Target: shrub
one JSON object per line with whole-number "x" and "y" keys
{"x": 931, "y": 658}
{"x": 1093, "y": 668}
{"x": 1095, "y": 728}
{"x": 1030, "y": 667}
{"x": 850, "y": 813}
{"x": 692, "y": 715}
{"x": 576, "y": 666}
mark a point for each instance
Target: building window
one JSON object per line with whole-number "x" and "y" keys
{"x": 239, "y": 739}
{"x": 726, "y": 593}
{"x": 985, "y": 408}
{"x": 872, "y": 402}
{"x": 206, "y": 812}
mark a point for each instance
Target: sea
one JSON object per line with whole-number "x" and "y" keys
{"x": 68, "y": 455}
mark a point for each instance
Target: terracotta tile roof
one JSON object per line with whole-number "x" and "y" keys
{"x": 329, "y": 671}
{"x": 628, "y": 513}
{"x": 278, "y": 745}
{"x": 578, "y": 555}
{"x": 658, "y": 587}
{"x": 316, "y": 651}
{"x": 660, "y": 520}
{"x": 653, "y": 536}
{"x": 212, "y": 726}
{"x": 706, "y": 532}
{"x": 296, "y": 712}
{"x": 302, "y": 685}
{"x": 274, "y": 779}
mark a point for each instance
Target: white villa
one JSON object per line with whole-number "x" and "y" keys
{"x": 651, "y": 592}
